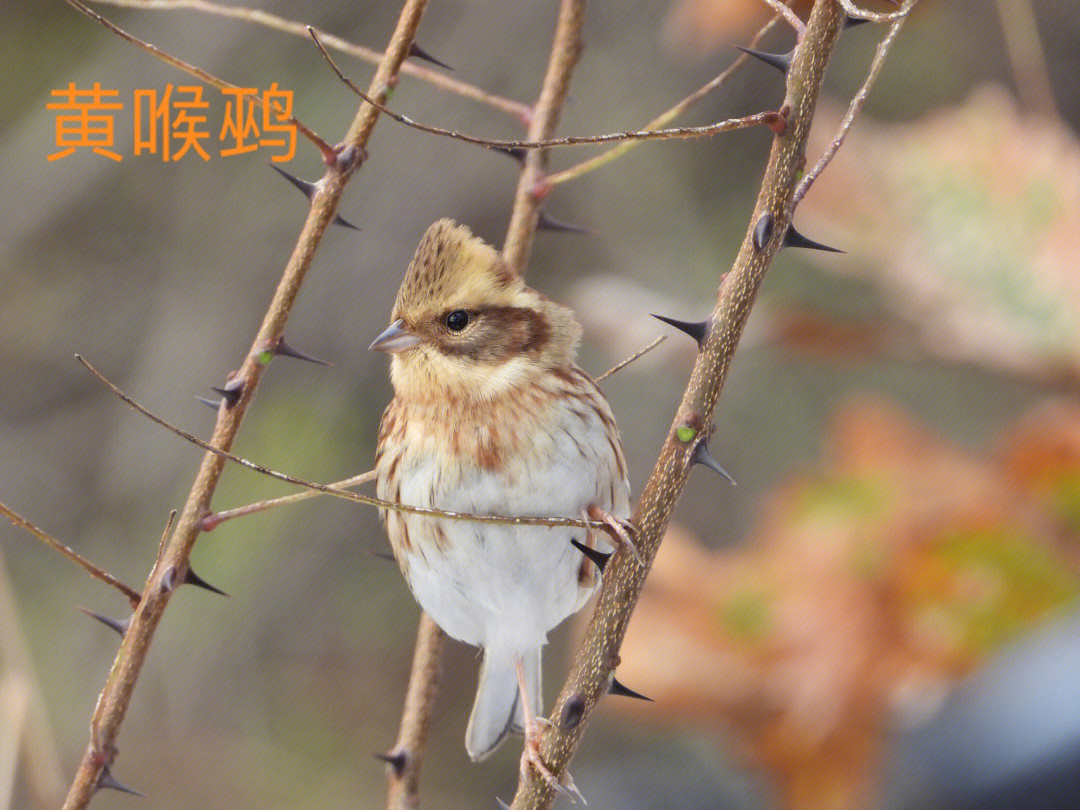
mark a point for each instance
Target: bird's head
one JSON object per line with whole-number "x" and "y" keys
{"x": 465, "y": 324}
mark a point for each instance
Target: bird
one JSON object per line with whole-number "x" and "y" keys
{"x": 492, "y": 416}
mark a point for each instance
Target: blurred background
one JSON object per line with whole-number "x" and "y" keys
{"x": 882, "y": 614}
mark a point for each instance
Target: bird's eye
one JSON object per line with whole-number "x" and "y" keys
{"x": 457, "y": 320}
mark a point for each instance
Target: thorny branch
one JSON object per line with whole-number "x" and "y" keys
{"x": 759, "y": 119}
{"x": 172, "y": 565}
{"x": 693, "y": 424}
{"x": 520, "y": 111}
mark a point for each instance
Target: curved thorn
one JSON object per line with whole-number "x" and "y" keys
{"x": 695, "y": 329}
{"x": 420, "y": 53}
{"x": 599, "y": 558}
{"x": 703, "y": 457}
{"x": 547, "y": 223}
{"x": 308, "y": 190}
{"x": 794, "y": 239}
{"x": 191, "y": 578}
{"x": 780, "y": 61}
{"x": 106, "y": 781}
{"x": 213, "y": 403}
{"x": 285, "y": 349}
{"x": 851, "y": 22}
{"x": 763, "y": 230}
{"x": 230, "y": 391}
{"x": 113, "y": 624}
{"x": 617, "y": 688}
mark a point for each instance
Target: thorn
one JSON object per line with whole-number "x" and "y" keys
{"x": 851, "y": 22}
{"x": 703, "y": 457}
{"x": 516, "y": 152}
{"x": 288, "y": 351}
{"x": 309, "y": 190}
{"x": 546, "y": 223}
{"x": 382, "y": 555}
{"x": 420, "y": 53}
{"x": 780, "y": 61}
{"x": 213, "y": 403}
{"x": 617, "y": 688}
{"x": 794, "y": 239}
{"x": 695, "y": 329}
{"x": 501, "y": 804}
{"x": 120, "y": 627}
{"x": 567, "y": 782}
{"x": 191, "y": 578}
{"x": 168, "y": 579}
{"x": 572, "y": 712}
{"x": 231, "y": 391}
{"x": 599, "y": 558}
{"x": 396, "y": 760}
{"x": 763, "y": 231}
{"x": 106, "y": 781}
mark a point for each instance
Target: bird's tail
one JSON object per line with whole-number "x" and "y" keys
{"x": 498, "y": 710}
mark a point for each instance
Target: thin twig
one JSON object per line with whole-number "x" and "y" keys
{"x": 174, "y": 561}
{"x": 639, "y": 353}
{"x": 856, "y": 13}
{"x": 790, "y": 17}
{"x": 624, "y": 578}
{"x": 519, "y": 111}
{"x": 81, "y": 561}
{"x": 420, "y": 696}
{"x": 549, "y": 522}
{"x": 211, "y": 522}
{"x": 706, "y": 130}
{"x": 855, "y": 107}
{"x": 204, "y": 76}
{"x": 615, "y": 152}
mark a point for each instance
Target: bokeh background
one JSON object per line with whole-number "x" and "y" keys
{"x": 881, "y": 614}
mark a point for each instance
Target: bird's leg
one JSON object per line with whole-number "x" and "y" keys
{"x": 620, "y": 529}
{"x": 531, "y": 754}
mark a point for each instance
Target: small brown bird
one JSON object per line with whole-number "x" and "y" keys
{"x": 491, "y": 416}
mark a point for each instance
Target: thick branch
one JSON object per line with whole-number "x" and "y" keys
{"x": 173, "y": 562}
{"x": 623, "y": 578}
{"x": 408, "y": 753}
{"x": 564, "y": 56}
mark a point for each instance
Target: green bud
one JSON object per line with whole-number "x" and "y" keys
{"x": 685, "y": 433}
{"x": 264, "y": 357}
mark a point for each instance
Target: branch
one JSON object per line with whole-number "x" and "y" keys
{"x": 707, "y": 130}
{"x": 403, "y": 762}
{"x": 526, "y": 210}
{"x": 326, "y": 489}
{"x": 593, "y": 163}
{"x": 520, "y": 111}
{"x": 174, "y": 557}
{"x": 97, "y": 573}
{"x": 858, "y": 14}
{"x": 624, "y": 578}
{"x": 854, "y": 108}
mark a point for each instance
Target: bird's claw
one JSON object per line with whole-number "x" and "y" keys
{"x": 562, "y": 784}
{"x": 621, "y": 529}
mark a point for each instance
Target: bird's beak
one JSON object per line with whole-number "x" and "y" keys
{"x": 396, "y": 338}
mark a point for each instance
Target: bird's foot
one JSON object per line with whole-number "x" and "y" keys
{"x": 530, "y": 757}
{"x": 621, "y": 530}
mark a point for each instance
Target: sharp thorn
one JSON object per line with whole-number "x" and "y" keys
{"x": 382, "y": 555}
{"x": 396, "y": 760}
{"x": 546, "y": 223}
{"x": 285, "y": 349}
{"x": 515, "y": 152}
{"x": 106, "y": 781}
{"x": 572, "y": 712}
{"x": 763, "y": 231}
{"x": 231, "y": 391}
{"x": 617, "y": 688}
{"x": 306, "y": 188}
{"x": 567, "y": 782}
{"x": 794, "y": 239}
{"x": 120, "y": 627}
{"x": 599, "y": 558}
{"x": 191, "y": 578}
{"x": 213, "y": 403}
{"x": 851, "y": 22}
{"x": 420, "y": 53}
{"x": 695, "y": 329}
{"x": 703, "y": 457}
{"x": 501, "y": 804}
{"x": 780, "y": 61}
